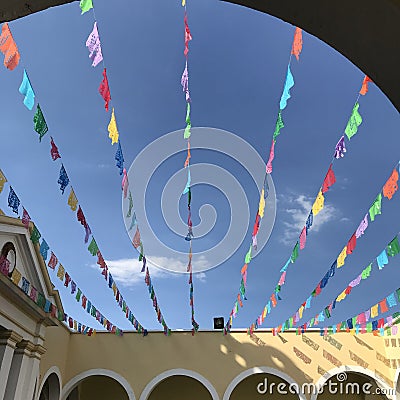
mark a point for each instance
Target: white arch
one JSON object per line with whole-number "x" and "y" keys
{"x": 53, "y": 370}
{"x": 67, "y": 389}
{"x": 351, "y": 368}
{"x": 259, "y": 370}
{"x": 178, "y": 371}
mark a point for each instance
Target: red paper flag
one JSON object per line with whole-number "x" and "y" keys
{"x": 351, "y": 244}
{"x": 25, "y": 218}
{"x": 54, "y": 150}
{"x": 188, "y": 36}
{"x": 364, "y": 87}
{"x": 329, "y": 180}
{"x": 104, "y": 89}
{"x": 53, "y": 261}
{"x": 297, "y": 43}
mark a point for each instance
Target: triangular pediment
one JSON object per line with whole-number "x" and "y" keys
{"x": 25, "y": 256}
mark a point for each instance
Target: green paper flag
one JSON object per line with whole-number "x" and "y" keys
{"x": 295, "y": 253}
{"x": 93, "y": 249}
{"x": 279, "y": 125}
{"x": 39, "y": 123}
{"x": 376, "y": 207}
{"x": 366, "y": 272}
{"x": 354, "y": 122}
{"x": 35, "y": 235}
{"x": 393, "y": 247}
{"x": 247, "y": 259}
{"x": 85, "y": 5}
{"x": 78, "y": 295}
{"x": 187, "y": 133}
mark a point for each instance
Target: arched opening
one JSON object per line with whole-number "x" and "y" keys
{"x": 99, "y": 387}
{"x": 352, "y": 385}
{"x": 263, "y": 385}
{"x": 51, "y": 388}
{"x": 180, "y": 387}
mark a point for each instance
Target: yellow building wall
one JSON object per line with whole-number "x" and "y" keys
{"x": 218, "y": 358}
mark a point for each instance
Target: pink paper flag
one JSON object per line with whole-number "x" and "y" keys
{"x": 271, "y": 157}
{"x": 303, "y": 238}
{"x": 125, "y": 183}
{"x": 282, "y": 279}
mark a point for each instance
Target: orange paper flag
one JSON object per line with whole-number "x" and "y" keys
{"x": 297, "y": 43}
{"x": 8, "y": 48}
{"x": 364, "y": 87}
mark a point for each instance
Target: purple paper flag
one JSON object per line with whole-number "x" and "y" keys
{"x": 340, "y": 148}
{"x": 362, "y": 227}
{"x": 94, "y": 46}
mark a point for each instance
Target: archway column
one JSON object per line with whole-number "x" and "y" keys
{"x": 8, "y": 343}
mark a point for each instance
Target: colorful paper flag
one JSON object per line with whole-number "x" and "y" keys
{"x": 9, "y": 48}
{"x": 13, "y": 201}
{"x": 40, "y": 124}
{"x": 85, "y": 5}
{"x": 104, "y": 89}
{"x": 72, "y": 200}
{"x": 27, "y": 91}
{"x": 94, "y": 46}
{"x": 112, "y": 129}
{"x": 63, "y": 180}
{"x": 289, "y": 83}
{"x": 3, "y": 180}
{"x": 364, "y": 87}
{"x": 297, "y": 43}
{"x": 354, "y": 122}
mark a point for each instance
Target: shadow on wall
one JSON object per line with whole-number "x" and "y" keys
{"x": 98, "y": 387}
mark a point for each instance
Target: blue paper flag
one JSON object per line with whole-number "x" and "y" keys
{"x": 382, "y": 259}
{"x": 13, "y": 201}
{"x": 187, "y": 187}
{"x": 27, "y": 91}
{"x": 63, "y": 180}
{"x": 44, "y": 248}
{"x": 119, "y": 157}
{"x": 289, "y": 83}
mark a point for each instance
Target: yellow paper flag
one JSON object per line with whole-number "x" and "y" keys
{"x": 3, "y": 180}
{"x": 112, "y": 129}
{"x": 342, "y": 256}
{"x": 318, "y": 203}
{"x": 72, "y": 200}
{"x": 261, "y": 205}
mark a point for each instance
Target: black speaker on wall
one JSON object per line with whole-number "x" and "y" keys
{"x": 219, "y": 323}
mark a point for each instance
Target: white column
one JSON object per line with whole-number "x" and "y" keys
{"x": 33, "y": 370}
{"x": 8, "y": 341}
{"x": 18, "y": 379}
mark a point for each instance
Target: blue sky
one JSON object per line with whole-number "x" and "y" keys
{"x": 237, "y": 66}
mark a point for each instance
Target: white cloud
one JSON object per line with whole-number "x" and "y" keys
{"x": 126, "y": 271}
{"x": 298, "y": 210}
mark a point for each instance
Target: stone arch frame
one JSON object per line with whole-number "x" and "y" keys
{"x": 178, "y": 371}
{"x": 72, "y": 383}
{"x": 53, "y": 370}
{"x": 259, "y": 370}
{"x": 351, "y": 368}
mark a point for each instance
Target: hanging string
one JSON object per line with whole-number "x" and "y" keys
{"x": 41, "y": 128}
{"x": 374, "y": 210}
{"x": 340, "y": 149}
{"x": 187, "y": 190}
{"x": 297, "y": 46}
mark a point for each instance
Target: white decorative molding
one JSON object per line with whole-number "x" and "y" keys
{"x": 178, "y": 371}
{"x": 53, "y": 370}
{"x": 67, "y": 389}
{"x": 259, "y": 370}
